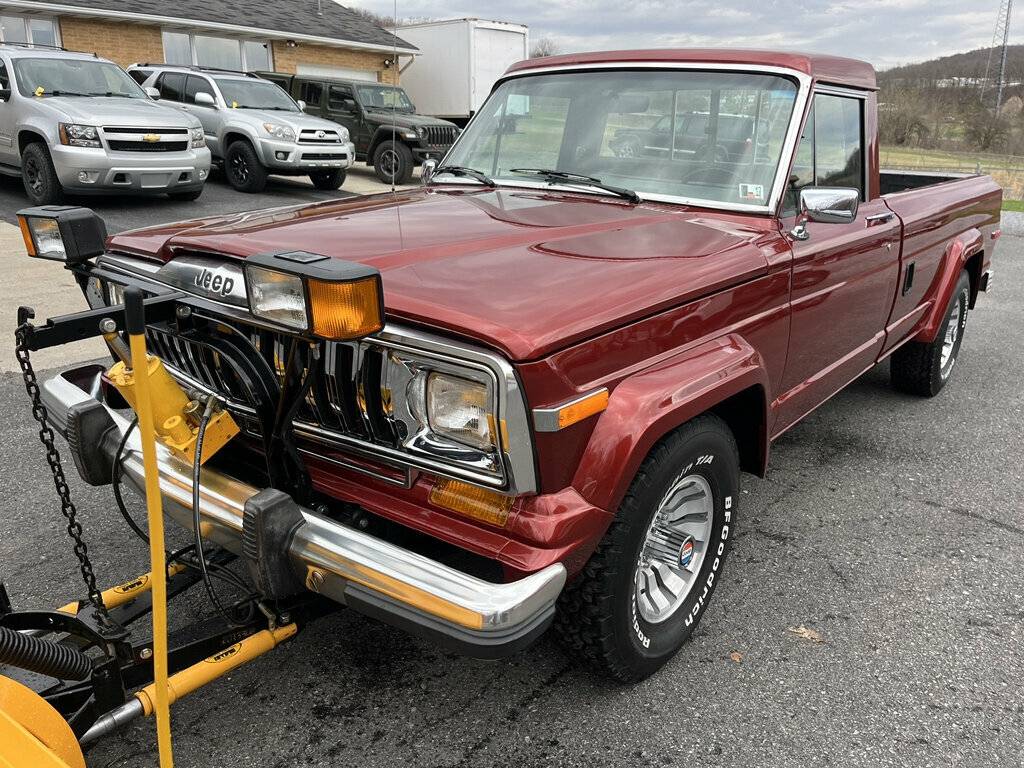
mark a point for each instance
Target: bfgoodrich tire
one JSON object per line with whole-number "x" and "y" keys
{"x": 643, "y": 592}
{"x": 920, "y": 368}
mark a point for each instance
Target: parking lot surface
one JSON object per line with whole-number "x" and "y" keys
{"x": 891, "y": 527}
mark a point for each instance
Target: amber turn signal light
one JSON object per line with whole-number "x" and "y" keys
{"x": 341, "y": 311}
{"x": 472, "y": 501}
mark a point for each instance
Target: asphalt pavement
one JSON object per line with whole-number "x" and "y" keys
{"x": 890, "y": 527}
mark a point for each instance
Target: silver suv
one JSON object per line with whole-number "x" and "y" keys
{"x": 73, "y": 122}
{"x": 254, "y": 127}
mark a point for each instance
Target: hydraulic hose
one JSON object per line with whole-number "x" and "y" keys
{"x": 43, "y": 656}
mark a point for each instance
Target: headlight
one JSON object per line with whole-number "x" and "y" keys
{"x": 75, "y": 135}
{"x": 198, "y": 137}
{"x": 343, "y": 136}
{"x": 460, "y": 409}
{"x": 282, "y": 132}
{"x": 306, "y": 292}
{"x": 62, "y": 233}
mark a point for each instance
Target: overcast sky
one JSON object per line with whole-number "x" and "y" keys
{"x": 885, "y": 32}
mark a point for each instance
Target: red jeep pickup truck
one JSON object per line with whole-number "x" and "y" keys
{"x": 580, "y": 348}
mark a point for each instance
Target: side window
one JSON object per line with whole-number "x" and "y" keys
{"x": 312, "y": 93}
{"x": 140, "y": 75}
{"x": 831, "y": 149}
{"x": 193, "y": 85}
{"x": 838, "y": 142}
{"x": 340, "y": 98}
{"x": 5, "y": 81}
{"x": 172, "y": 85}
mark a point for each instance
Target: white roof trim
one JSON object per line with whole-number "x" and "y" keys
{"x": 235, "y": 29}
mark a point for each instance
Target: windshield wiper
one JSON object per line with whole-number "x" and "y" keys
{"x": 461, "y": 170}
{"x": 554, "y": 177}
{"x": 66, "y": 93}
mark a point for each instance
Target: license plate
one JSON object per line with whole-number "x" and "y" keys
{"x": 154, "y": 180}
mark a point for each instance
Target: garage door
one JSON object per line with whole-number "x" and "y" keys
{"x": 340, "y": 72}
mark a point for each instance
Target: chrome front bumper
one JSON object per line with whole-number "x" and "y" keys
{"x": 375, "y": 577}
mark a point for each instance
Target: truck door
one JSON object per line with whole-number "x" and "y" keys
{"x": 844, "y": 275}
{"x": 8, "y": 144}
{"x": 342, "y": 108}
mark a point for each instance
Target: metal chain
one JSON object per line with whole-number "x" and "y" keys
{"x": 46, "y": 437}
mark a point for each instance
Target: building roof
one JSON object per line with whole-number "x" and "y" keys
{"x": 324, "y": 22}
{"x": 827, "y": 69}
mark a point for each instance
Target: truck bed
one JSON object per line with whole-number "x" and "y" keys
{"x": 893, "y": 181}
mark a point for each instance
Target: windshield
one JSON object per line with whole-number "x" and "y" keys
{"x": 74, "y": 77}
{"x": 704, "y": 136}
{"x": 254, "y": 94}
{"x": 384, "y": 97}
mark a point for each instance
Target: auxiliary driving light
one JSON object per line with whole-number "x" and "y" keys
{"x": 313, "y": 294}
{"x": 62, "y": 233}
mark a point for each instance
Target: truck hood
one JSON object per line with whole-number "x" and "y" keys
{"x": 294, "y": 120}
{"x": 404, "y": 119}
{"x": 525, "y": 271}
{"x": 134, "y": 113}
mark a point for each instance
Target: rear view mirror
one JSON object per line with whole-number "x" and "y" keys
{"x": 204, "y": 99}
{"x": 152, "y": 92}
{"x": 302, "y": 105}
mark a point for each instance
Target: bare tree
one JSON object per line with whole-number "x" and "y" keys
{"x": 543, "y": 47}
{"x": 375, "y": 18}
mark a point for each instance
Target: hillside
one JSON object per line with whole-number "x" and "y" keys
{"x": 959, "y": 65}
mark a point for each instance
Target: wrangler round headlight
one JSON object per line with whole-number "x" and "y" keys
{"x": 459, "y": 409}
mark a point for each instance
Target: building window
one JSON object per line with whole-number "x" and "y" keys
{"x": 28, "y": 29}
{"x": 219, "y": 52}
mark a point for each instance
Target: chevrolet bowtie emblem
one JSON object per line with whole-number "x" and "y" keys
{"x": 151, "y": 137}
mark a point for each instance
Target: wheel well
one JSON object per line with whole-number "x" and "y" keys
{"x": 973, "y": 267}
{"x": 231, "y": 138}
{"x": 744, "y": 413}
{"x": 28, "y": 137}
{"x": 379, "y": 139}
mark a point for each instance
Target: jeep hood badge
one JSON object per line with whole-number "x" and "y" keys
{"x": 210, "y": 278}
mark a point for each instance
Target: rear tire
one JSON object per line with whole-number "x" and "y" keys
{"x": 393, "y": 159}
{"x": 243, "y": 168}
{"x": 626, "y": 614}
{"x": 328, "y": 180}
{"x": 39, "y": 176}
{"x": 923, "y": 368}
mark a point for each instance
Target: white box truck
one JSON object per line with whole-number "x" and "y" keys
{"x": 458, "y": 63}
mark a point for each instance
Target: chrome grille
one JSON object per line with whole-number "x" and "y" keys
{"x": 136, "y": 139}
{"x": 345, "y": 399}
{"x": 319, "y": 136}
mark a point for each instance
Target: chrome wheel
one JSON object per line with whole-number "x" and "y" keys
{"x": 949, "y": 342}
{"x": 674, "y": 548}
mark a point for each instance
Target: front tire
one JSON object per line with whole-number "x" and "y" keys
{"x": 923, "y": 368}
{"x": 39, "y": 176}
{"x": 328, "y": 180}
{"x": 243, "y": 168}
{"x": 392, "y": 162}
{"x": 643, "y": 592}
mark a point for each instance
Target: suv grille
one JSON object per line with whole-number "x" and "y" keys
{"x": 318, "y": 136}
{"x": 132, "y": 139}
{"x": 440, "y": 135}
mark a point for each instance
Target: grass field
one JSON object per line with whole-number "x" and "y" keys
{"x": 1008, "y": 170}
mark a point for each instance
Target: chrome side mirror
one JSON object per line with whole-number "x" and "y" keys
{"x": 825, "y": 205}
{"x": 152, "y": 92}
{"x": 427, "y": 171}
{"x": 302, "y": 105}
{"x": 203, "y": 99}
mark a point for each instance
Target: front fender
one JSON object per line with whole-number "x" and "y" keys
{"x": 647, "y": 406}
{"x": 960, "y": 249}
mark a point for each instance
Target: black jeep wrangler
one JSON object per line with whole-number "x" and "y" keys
{"x": 380, "y": 118}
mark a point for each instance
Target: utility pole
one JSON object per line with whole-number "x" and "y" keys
{"x": 1000, "y": 40}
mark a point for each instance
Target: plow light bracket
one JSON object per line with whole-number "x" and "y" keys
{"x": 66, "y": 233}
{"x": 315, "y": 295}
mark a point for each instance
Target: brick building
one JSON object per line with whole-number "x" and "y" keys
{"x": 317, "y": 37}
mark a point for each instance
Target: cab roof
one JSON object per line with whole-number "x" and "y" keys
{"x": 26, "y": 51}
{"x": 824, "y": 68}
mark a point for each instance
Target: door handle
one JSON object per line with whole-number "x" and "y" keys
{"x": 878, "y": 218}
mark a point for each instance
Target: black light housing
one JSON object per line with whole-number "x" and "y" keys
{"x": 315, "y": 295}
{"x": 66, "y": 233}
